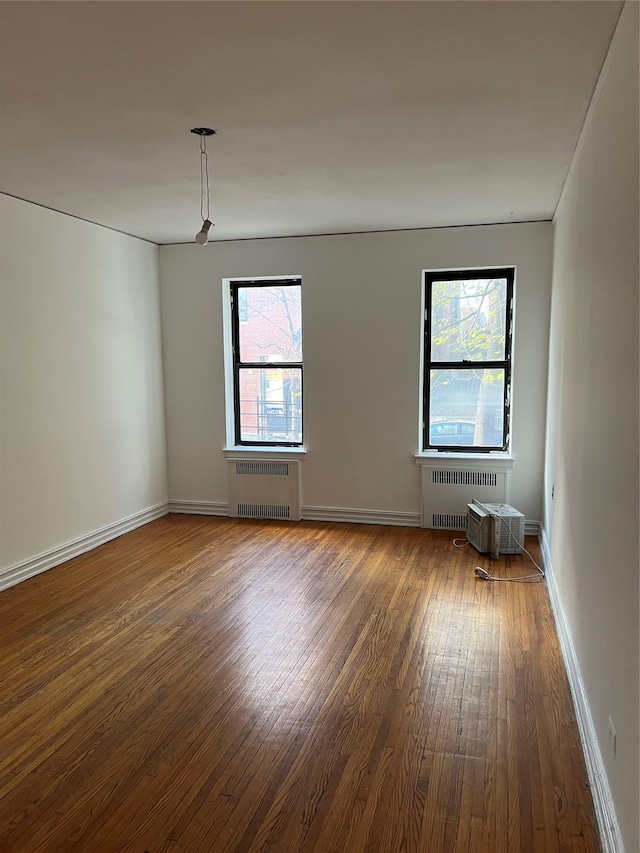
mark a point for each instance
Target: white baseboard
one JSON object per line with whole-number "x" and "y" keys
{"x": 328, "y": 513}
{"x": 360, "y": 516}
{"x": 602, "y": 800}
{"x": 199, "y": 507}
{"x": 311, "y": 513}
{"x": 61, "y": 553}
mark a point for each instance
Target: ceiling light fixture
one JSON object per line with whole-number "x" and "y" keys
{"x": 202, "y": 237}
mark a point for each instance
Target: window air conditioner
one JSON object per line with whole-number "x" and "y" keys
{"x": 495, "y": 528}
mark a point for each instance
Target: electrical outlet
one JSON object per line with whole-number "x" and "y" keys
{"x": 612, "y": 737}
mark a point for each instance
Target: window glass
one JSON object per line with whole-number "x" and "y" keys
{"x": 272, "y": 329}
{"x": 467, "y": 405}
{"x": 266, "y": 319}
{"x": 468, "y": 319}
{"x": 271, "y": 405}
{"x": 467, "y": 359}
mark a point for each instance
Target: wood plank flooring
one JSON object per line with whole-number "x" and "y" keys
{"x": 205, "y": 685}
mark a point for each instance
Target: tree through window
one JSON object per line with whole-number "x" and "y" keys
{"x": 467, "y": 359}
{"x": 266, "y": 318}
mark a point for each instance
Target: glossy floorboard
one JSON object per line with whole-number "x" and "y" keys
{"x": 203, "y": 685}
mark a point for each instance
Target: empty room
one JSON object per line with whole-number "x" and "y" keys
{"x": 319, "y": 426}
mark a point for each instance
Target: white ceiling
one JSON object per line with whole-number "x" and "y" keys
{"x": 330, "y": 116}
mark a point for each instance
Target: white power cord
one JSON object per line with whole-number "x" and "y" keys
{"x": 483, "y": 574}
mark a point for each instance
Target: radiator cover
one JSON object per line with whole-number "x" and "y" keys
{"x": 265, "y": 488}
{"x": 449, "y": 485}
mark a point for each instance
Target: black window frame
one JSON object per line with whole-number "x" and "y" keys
{"x": 237, "y": 319}
{"x": 505, "y": 364}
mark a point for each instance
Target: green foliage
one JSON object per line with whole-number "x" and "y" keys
{"x": 467, "y": 320}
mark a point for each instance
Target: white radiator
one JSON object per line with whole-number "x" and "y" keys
{"x": 446, "y": 491}
{"x": 265, "y": 488}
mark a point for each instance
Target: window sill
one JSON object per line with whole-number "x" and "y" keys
{"x": 473, "y": 461}
{"x": 245, "y": 451}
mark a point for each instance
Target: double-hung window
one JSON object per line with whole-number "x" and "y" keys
{"x": 467, "y": 359}
{"x": 266, "y": 332}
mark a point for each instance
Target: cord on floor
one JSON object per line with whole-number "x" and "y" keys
{"x": 483, "y": 574}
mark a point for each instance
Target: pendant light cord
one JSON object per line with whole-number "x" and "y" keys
{"x": 204, "y": 178}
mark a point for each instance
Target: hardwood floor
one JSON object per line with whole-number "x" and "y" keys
{"x": 204, "y": 685}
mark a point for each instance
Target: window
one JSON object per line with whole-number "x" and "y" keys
{"x": 266, "y": 332}
{"x": 467, "y": 359}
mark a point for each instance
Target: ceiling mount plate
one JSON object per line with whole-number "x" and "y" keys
{"x": 203, "y": 131}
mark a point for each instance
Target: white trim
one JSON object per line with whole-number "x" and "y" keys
{"x": 25, "y": 569}
{"x": 360, "y": 516}
{"x": 423, "y": 318}
{"x": 199, "y": 507}
{"x": 312, "y": 513}
{"x": 464, "y": 461}
{"x": 328, "y": 513}
{"x": 228, "y": 361}
{"x": 260, "y": 277}
{"x": 227, "y": 338}
{"x": 610, "y": 837}
{"x": 247, "y": 452}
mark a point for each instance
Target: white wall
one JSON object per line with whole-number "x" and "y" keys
{"x": 82, "y": 438}
{"x": 592, "y": 457}
{"x": 362, "y": 339}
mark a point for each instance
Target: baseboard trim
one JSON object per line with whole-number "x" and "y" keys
{"x": 602, "y": 799}
{"x": 25, "y": 569}
{"x": 310, "y": 513}
{"x": 360, "y": 516}
{"x": 199, "y": 507}
{"x": 327, "y": 513}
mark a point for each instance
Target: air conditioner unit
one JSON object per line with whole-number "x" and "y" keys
{"x": 495, "y": 528}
